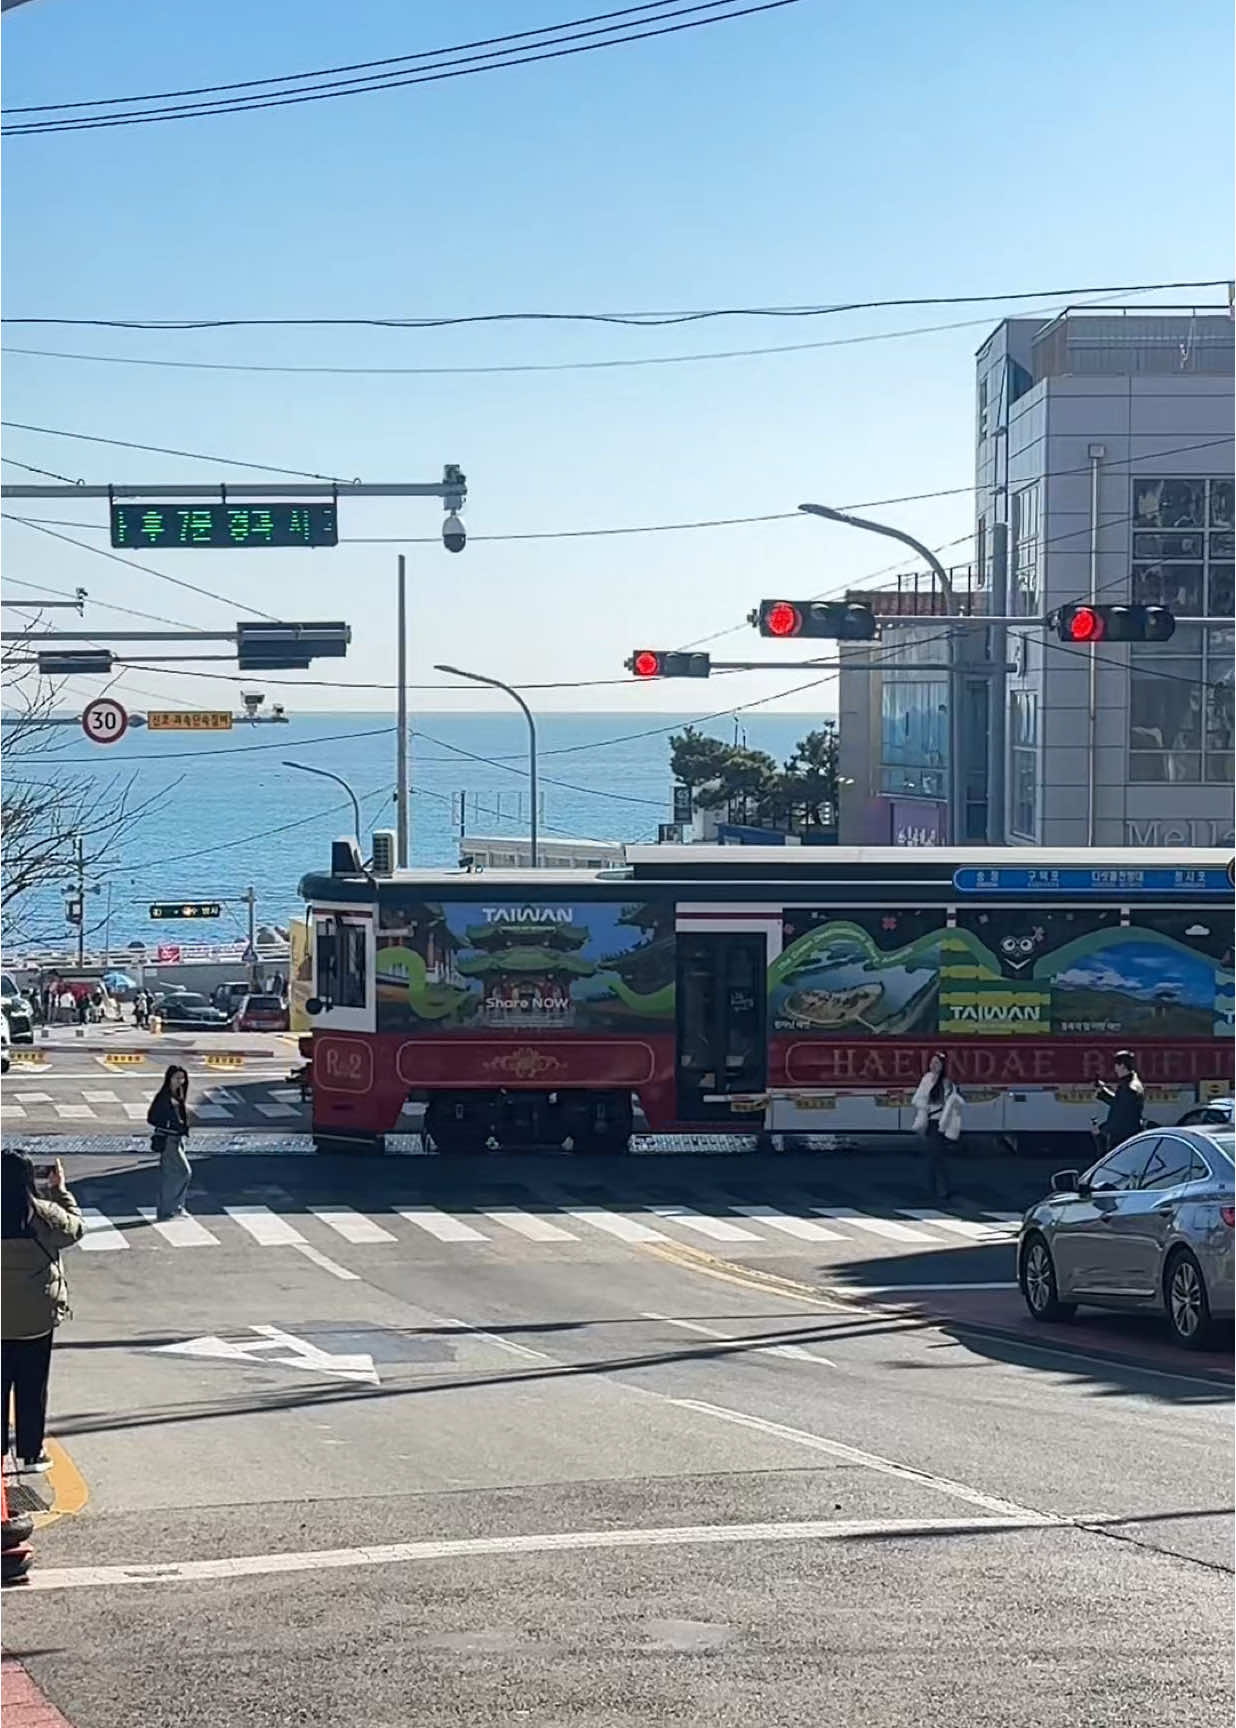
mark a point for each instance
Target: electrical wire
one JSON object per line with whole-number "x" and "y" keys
{"x": 229, "y": 749}
{"x": 103, "y": 605}
{"x": 163, "y": 450}
{"x": 641, "y": 320}
{"x": 251, "y": 839}
{"x": 510, "y": 768}
{"x": 46, "y": 473}
{"x": 160, "y": 575}
{"x": 497, "y": 60}
{"x": 338, "y": 71}
{"x": 524, "y": 367}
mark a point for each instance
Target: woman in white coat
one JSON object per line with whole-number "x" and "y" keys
{"x": 937, "y": 1116}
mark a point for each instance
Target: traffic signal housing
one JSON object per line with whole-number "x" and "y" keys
{"x": 839, "y": 620}
{"x": 657, "y": 663}
{"x": 1084, "y": 624}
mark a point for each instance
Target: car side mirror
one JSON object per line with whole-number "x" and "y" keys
{"x": 315, "y": 1005}
{"x": 1066, "y": 1182}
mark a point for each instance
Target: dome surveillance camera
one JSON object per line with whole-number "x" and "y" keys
{"x": 454, "y": 534}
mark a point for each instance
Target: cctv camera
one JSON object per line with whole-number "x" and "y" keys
{"x": 253, "y": 700}
{"x": 454, "y": 534}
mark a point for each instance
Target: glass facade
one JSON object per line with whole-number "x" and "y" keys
{"x": 1027, "y": 595}
{"x": 915, "y": 723}
{"x": 1180, "y": 699}
{"x": 1023, "y": 763}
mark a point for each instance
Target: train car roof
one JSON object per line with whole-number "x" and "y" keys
{"x": 708, "y": 869}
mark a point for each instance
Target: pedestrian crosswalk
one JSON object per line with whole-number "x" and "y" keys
{"x": 742, "y": 1226}
{"x": 257, "y": 1100}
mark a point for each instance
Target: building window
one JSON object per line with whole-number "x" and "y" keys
{"x": 982, "y": 408}
{"x": 1180, "y": 696}
{"x": 1025, "y": 529}
{"x": 1023, "y": 763}
{"x": 914, "y": 736}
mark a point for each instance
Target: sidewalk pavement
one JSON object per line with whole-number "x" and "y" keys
{"x": 23, "y": 1704}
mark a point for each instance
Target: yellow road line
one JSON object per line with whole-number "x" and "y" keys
{"x": 68, "y": 1486}
{"x": 747, "y": 1277}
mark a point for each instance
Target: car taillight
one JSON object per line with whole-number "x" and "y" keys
{"x": 1228, "y": 1215}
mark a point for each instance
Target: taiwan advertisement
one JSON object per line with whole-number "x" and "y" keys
{"x": 574, "y": 967}
{"x": 1005, "y": 972}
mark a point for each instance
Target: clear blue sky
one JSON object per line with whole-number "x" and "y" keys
{"x": 829, "y": 151}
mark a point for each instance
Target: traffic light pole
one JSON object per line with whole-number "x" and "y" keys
{"x": 79, "y": 860}
{"x": 401, "y": 741}
{"x": 956, "y": 789}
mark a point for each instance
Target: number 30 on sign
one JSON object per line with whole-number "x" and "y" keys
{"x": 104, "y": 721}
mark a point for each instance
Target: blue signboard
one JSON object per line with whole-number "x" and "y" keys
{"x": 1107, "y": 882}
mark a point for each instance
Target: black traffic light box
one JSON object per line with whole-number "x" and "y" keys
{"x": 658, "y": 663}
{"x": 839, "y": 620}
{"x": 1085, "y": 624}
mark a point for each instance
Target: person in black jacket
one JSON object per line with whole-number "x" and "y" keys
{"x": 168, "y": 1116}
{"x": 1125, "y": 1101}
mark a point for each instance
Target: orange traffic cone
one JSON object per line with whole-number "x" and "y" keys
{"x": 15, "y": 1552}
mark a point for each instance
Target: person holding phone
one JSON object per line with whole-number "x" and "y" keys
{"x": 168, "y": 1117}
{"x": 34, "y": 1294}
{"x": 1126, "y": 1102}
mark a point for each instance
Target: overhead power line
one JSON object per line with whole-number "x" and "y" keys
{"x": 491, "y": 59}
{"x": 642, "y": 320}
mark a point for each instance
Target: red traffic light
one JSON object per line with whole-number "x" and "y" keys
{"x": 1085, "y": 624}
{"x": 645, "y": 663}
{"x": 782, "y": 619}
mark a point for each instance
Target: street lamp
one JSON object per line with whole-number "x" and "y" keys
{"x": 497, "y": 684}
{"x": 325, "y": 774}
{"x": 951, "y": 606}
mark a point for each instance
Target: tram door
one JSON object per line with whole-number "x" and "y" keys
{"x": 722, "y": 1021}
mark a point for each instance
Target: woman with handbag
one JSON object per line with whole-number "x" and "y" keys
{"x": 168, "y": 1117}
{"x": 937, "y": 1115}
{"x": 34, "y": 1295}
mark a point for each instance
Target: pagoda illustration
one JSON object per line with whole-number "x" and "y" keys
{"x": 525, "y": 970}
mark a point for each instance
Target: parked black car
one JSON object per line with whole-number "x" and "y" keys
{"x": 188, "y": 1009}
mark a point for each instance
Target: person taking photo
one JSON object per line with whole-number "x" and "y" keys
{"x": 34, "y": 1294}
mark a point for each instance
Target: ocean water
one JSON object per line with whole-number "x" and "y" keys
{"x": 226, "y": 813}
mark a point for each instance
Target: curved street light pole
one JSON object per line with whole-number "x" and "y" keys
{"x": 955, "y": 777}
{"x": 497, "y": 684}
{"x": 325, "y": 774}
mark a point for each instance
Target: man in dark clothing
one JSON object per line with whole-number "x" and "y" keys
{"x": 1125, "y": 1101}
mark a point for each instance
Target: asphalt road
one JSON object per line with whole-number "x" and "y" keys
{"x": 523, "y": 1441}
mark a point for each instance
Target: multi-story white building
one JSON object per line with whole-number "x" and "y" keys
{"x": 1104, "y": 468}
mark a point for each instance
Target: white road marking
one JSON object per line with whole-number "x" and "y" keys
{"x": 276, "y": 1110}
{"x": 94, "y": 1095}
{"x": 326, "y": 1263}
{"x": 528, "y": 1224}
{"x": 614, "y": 1224}
{"x": 210, "y": 1113}
{"x": 558, "y": 1541}
{"x": 263, "y": 1225}
{"x": 806, "y": 1229}
{"x": 496, "y": 1339}
{"x": 958, "y": 1226}
{"x": 867, "y": 1460}
{"x": 352, "y": 1226}
{"x": 33, "y": 1097}
{"x": 136, "y": 1112}
{"x": 440, "y": 1224}
{"x": 75, "y": 1112}
{"x": 12, "y": 1109}
{"x": 794, "y": 1352}
{"x": 180, "y": 1232}
{"x": 100, "y": 1233}
{"x": 720, "y": 1229}
{"x": 876, "y": 1226}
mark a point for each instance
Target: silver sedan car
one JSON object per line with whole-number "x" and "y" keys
{"x": 1148, "y": 1227}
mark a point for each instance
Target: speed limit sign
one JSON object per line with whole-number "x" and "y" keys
{"x": 104, "y": 721}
